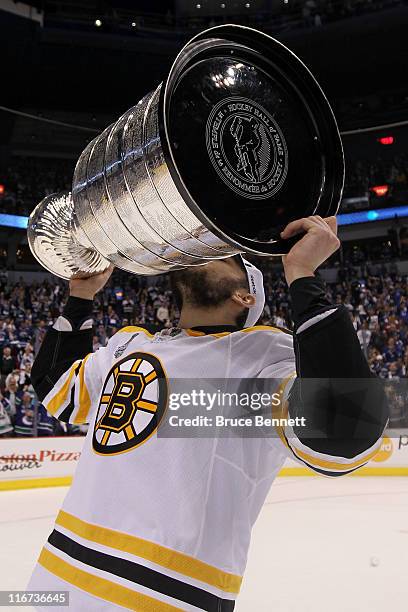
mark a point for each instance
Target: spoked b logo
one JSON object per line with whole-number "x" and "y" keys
{"x": 132, "y": 404}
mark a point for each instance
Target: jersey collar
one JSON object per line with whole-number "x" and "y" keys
{"x": 203, "y": 330}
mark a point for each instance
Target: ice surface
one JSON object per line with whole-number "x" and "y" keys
{"x": 320, "y": 545}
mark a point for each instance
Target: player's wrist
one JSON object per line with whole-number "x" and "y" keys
{"x": 292, "y": 273}
{"x": 83, "y": 294}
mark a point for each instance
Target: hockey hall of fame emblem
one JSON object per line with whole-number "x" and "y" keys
{"x": 247, "y": 148}
{"x": 132, "y": 404}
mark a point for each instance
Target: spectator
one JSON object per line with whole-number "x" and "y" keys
{"x": 128, "y": 307}
{"x": 96, "y": 343}
{"x": 24, "y": 423}
{"x": 45, "y": 422}
{"x": 6, "y": 428}
{"x": 364, "y": 335}
{"x": 13, "y": 396}
{"x": 162, "y": 315}
{"x": 39, "y": 334}
{"x": 7, "y": 364}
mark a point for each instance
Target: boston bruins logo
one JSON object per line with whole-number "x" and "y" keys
{"x": 132, "y": 404}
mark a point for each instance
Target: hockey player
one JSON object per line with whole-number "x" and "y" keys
{"x": 155, "y": 523}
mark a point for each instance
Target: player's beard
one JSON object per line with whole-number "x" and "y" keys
{"x": 197, "y": 287}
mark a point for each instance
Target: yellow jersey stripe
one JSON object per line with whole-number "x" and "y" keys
{"x": 166, "y": 557}
{"x": 133, "y": 329}
{"x": 194, "y": 332}
{"x": 281, "y": 411}
{"x": 100, "y": 587}
{"x": 275, "y": 330}
{"x": 84, "y": 399}
{"x": 331, "y": 465}
{"x": 61, "y": 396}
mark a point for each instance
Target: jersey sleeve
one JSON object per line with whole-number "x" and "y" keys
{"x": 331, "y": 446}
{"x": 333, "y": 410}
{"x": 66, "y": 374}
{"x": 73, "y": 396}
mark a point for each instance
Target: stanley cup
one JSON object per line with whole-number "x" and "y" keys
{"x": 237, "y": 142}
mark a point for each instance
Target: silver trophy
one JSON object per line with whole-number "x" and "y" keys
{"x": 237, "y": 142}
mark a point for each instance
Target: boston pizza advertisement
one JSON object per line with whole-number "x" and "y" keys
{"x": 39, "y": 462}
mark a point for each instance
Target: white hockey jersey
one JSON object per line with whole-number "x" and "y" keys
{"x": 162, "y": 524}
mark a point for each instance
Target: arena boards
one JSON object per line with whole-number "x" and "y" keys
{"x": 51, "y": 462}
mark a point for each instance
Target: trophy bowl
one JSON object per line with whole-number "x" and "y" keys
{"x": 236, "y": 143}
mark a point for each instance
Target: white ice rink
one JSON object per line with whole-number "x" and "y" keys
{"x": 319, "y": 545}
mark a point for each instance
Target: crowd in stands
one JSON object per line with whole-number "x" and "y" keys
{"x": 27, "y": 180}
{"x": 378, "y": 306}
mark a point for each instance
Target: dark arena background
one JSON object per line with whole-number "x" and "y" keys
{"x": 71, "y": 68}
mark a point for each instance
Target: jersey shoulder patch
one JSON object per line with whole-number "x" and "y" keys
{"x": 126, "y": 335}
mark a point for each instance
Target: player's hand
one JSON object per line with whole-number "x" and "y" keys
{"x": 86, "y": 288}
{"x": 313, "y": 249}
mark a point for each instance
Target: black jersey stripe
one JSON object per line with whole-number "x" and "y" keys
{"x": 327, "y": 472}
{"x": 140, "y": 574}
{"x": 320, "y": 470}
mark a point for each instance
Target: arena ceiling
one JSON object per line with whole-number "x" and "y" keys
{"x": 70, "y": 69}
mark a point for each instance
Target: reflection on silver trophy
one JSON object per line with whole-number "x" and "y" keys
{"x": 238, "y": 141}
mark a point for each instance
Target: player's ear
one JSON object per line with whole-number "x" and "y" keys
{"x": 243, "y": 298}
